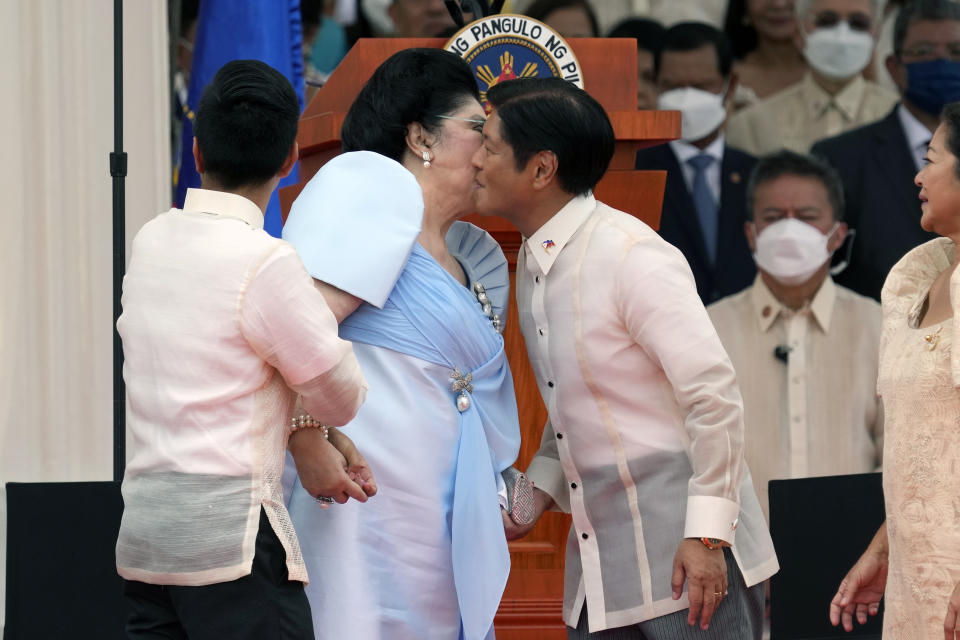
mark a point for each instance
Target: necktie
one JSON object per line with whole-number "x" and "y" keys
{"x": 705, "y": 205}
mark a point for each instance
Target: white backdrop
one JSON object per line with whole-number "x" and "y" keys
{"x": 56, "y": 74}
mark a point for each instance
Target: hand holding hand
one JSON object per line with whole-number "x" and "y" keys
{"x": 705, "y": 572}
{"x": 357, "y": 467}
{"x": 542, "y": 501}
{"x": 322, "y": 468}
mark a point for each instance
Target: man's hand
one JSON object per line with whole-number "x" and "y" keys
{"x": 862, "y": 588}
{"x": 357, "y": 467}
{"x": 705, "y": 572}
{"x": 323, "y": 470}
{"x": 542, "y": 501}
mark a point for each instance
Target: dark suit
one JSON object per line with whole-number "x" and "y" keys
{"x": 735, "y": 269}
{"x": 877, "y": 169}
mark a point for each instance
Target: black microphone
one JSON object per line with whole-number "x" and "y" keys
{"x": 782, "y": 353}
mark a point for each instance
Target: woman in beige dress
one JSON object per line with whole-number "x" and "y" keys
{"x": 914, "y": 559}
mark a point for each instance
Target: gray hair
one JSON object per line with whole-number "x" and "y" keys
{"x": 789, "y": 163}
{"x": 802, "y": 8}
{"x": 921, "y": 10}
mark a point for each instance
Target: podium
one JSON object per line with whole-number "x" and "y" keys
{"x": 532, "y": 602}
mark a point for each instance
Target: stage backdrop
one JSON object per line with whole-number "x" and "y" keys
{"x": 56, "y": 70}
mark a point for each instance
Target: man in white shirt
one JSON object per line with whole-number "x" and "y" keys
{"x": 644, "y": 444}
{"x": 805, "y": 349}
{"x": 837, "y": 38}
{"x": 221, "y": 324}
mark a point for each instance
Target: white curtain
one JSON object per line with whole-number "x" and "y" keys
{"x": 56, "y": 70}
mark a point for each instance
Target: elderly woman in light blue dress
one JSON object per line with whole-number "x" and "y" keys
{"x": 425, "y": 558}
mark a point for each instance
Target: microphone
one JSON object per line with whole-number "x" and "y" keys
{"x": 782, "y": 353}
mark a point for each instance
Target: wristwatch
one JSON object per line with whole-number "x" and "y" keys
{"x": 714, "y": 543}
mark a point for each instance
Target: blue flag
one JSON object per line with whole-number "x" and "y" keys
{"x": 267, "y": 30}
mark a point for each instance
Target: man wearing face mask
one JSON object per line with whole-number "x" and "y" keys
{"x": 837, "y": 38}
{"x": 877, "y": 162}
{"x": 703, "y": 211}
{"x": 805, "y": 349}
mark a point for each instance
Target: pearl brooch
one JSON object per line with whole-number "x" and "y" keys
{"x": 462, "y": 384}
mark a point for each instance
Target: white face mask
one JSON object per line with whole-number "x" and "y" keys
{"x": 702, "y": 112}
{"x": 838, "y": 52}
{"x": 791, "y": 251}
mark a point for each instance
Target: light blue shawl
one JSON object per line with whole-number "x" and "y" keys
{"x": 431, "y": 316}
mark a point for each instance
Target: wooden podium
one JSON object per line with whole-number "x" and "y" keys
{"x": 532, "y": 602}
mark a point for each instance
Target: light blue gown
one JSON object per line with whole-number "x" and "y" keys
{"x": 426, "y": 557}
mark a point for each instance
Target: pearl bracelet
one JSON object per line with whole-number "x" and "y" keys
{"x": 306, "y": 421}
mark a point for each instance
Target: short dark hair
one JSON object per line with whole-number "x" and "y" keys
{"x": 540, "y": 9}
{"x": 246, "y": 123}
{"x": 951, "y": 120}
{"x": 551, "y": 114}
{"x": 311, "y": 12}
{"x": 412, "y": 85}
{"x": 689, "y": 36}
{"x": 647, "y": 33}
{"x": 921, "y": 10}
{"x": 741, "y": 35}
{"x": 789, "y": 163}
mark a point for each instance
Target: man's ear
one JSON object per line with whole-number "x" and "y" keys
{"x": 751, "y": 231}
{"x": 897, "y": 71}
{"x": 392, "y": 13}
{"x": 197, "y": 156}
{"x": 836, "y": 240}
{"x": 292, "y": 156}
{"x": 728, "y": 98}
{"x": 543, "y": 167}
{"x": 732, "y": 85}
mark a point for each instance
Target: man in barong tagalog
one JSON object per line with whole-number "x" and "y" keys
{"x": 644, "y": 444}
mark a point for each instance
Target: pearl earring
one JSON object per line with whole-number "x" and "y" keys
{"x": 426, "y": 160}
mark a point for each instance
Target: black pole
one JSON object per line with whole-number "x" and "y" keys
{"x": 118, "y": 170}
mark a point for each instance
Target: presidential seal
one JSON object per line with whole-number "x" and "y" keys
{"x": 503, "y": 47}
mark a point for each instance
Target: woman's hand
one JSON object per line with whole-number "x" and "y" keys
{"x": 862, "y": 588}
{"x": 357, "y": 467}
{"x": 951, "y": 624}
{"x": 541, "y": 501}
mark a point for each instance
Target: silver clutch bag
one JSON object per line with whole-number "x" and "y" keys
{"x": 519, "y": 496}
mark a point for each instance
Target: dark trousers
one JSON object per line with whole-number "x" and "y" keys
{"x": 264, "y": 605}
{"x": 739, "y": 617}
